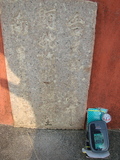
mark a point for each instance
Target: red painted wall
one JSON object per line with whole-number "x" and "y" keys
{"x": 105, "y": 78}
{"x": 5, "y": 106}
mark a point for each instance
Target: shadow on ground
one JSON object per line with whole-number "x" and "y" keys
{"x": 36, "y": 144}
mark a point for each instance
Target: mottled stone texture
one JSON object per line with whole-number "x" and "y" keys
{"x": 48, "y": 49}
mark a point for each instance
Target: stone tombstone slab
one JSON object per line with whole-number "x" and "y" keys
{"x": 48, "y": 48}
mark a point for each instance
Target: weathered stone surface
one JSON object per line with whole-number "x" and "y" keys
{"x": 48, "y": 49}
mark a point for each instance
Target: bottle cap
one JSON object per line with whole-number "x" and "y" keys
{"x": 106, "y": 117}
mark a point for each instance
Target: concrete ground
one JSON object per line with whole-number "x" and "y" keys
{"x": 32, "y": 144}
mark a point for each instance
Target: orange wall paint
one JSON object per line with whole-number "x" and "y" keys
{"x": 5, "y": 106}
{"x": 105, "y": 78}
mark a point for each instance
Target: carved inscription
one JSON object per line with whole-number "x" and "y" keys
{"x": 47, "y": 41}
{"x": 76, "y": 28}
{"x": 48, "y": 45}
{"x": 22, "y": 67}
{"x": 76, "y": 25}
{"x": 47, "y": 19}
{"x": 19, "y": 25}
